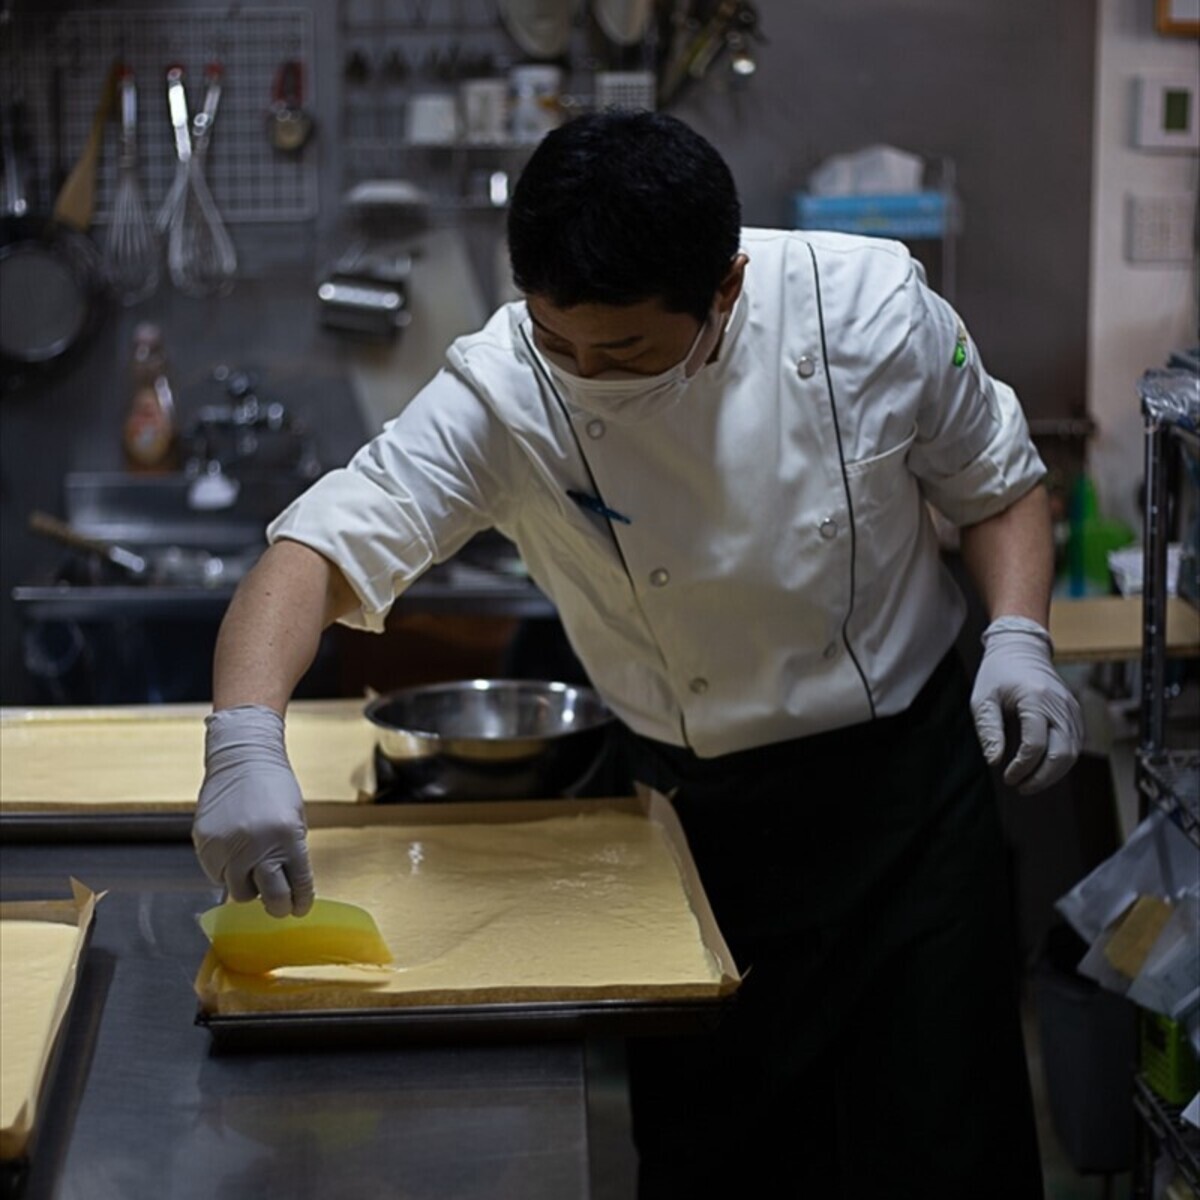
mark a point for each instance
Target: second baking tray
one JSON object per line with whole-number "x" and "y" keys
{"x": 19, "y": 1143}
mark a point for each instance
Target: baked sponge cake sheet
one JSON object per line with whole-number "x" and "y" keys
{"x": 587, "y": 903}
{"x": 150, "y": 758}
{"x": 41, "y": 943}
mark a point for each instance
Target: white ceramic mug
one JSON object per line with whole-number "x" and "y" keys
{"x": 484, "y": 104}
{"x": 432, "y": 119}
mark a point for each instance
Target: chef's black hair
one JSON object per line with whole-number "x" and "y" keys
{"x": 619, "y": 207}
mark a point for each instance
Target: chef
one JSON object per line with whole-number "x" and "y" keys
{"x": 716, "y": 449}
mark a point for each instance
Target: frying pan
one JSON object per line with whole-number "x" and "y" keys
{"x": 181, "y": 566}
{"x": 51, "y": 280}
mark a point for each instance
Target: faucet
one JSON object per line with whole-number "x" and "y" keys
{"x": 244, "y": 417}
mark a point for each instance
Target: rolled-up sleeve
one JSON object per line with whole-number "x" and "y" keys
{"x": 973, "y": 453}
{"x": 411, "y": 497}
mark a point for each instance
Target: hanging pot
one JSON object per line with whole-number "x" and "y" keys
{"x": 52, "y": 287}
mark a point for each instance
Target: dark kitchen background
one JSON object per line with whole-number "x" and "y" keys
{"x": 367, "y": 237}
{"x": 830, "y": 76}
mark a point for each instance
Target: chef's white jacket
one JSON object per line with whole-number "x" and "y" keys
{"x": 779, "y": 574}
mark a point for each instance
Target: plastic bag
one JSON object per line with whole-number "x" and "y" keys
{"x": 1157, "y": 860}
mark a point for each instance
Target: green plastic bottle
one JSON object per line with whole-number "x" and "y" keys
{"x": 1091, "y": 538}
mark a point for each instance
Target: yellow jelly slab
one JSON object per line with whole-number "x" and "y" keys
{"x": 247, "y": 939}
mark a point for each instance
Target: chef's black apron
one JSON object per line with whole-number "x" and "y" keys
{"x": 874, "y": 1049}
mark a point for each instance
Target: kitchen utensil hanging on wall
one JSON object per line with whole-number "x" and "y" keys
{"x": 51, "y": 282}
{"x": 130, "y": 246}
{"x": 697, "y": 44}
{"x": 201, "y": 135}
{"x": 76, "y": 203}
{"x": 289, "y": 124}
{"x": 739, "y": 42}
{"x": 200, "y": 255}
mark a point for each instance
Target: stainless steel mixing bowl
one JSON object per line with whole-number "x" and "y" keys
{"x": 487, "y": 739}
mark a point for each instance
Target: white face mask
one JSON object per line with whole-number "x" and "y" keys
{"x": 624, "y": 395}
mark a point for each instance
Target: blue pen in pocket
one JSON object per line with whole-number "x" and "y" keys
{"x": 595, "y": 505}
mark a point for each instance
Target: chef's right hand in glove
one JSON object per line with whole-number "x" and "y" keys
{"x": 249, "y": 830}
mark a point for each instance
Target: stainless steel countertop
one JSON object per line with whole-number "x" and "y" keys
{"x": 141, "y": 1106}
{"x": 451, "y": 588}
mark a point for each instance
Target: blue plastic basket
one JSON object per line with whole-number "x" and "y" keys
{"x": 907, "y": 215}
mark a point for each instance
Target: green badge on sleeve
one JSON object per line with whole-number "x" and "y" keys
{"x": 960, "y": 348}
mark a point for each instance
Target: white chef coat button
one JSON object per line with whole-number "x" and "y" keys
{"x": 828, "y": 528}
{"x": 805, "y": 367}
{"x": 660, "y": 577}
{"x": 595, "y": 429}
{"x": 830, "y": 651}
{"x": 698, "y": 686}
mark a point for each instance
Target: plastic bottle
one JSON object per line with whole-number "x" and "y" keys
{"x": 150, "y": 437}
{"x": 536, "y": 104}
{"x": 1092, "y": 537}
{"x": 1081, "y": 512}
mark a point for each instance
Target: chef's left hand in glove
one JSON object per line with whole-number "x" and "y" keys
{"x": 1016, "y": 676}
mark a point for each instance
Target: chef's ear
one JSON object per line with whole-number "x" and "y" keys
{"x": 730, "y": 287}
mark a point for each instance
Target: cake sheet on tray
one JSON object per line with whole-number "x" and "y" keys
{"x": 41, "y": 943}
{"x": 504, "y": 903}
{"x": 150, "y": 758}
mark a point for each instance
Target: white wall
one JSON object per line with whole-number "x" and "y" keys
{"x": 1138, "y": 312}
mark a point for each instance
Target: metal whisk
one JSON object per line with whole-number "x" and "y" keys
{"x": 202, "y": 124}
{"x": 200, "y": 255}
{"x": 130, "y": 245}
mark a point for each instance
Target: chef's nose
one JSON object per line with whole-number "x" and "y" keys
{"x": 590, "y": 362}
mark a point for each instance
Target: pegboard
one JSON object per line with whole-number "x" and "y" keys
{"x": 71, "y": 53}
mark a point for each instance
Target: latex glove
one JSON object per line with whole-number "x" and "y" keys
{"x": 249, "y": 830}
{"x": 1017, "y": 676}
